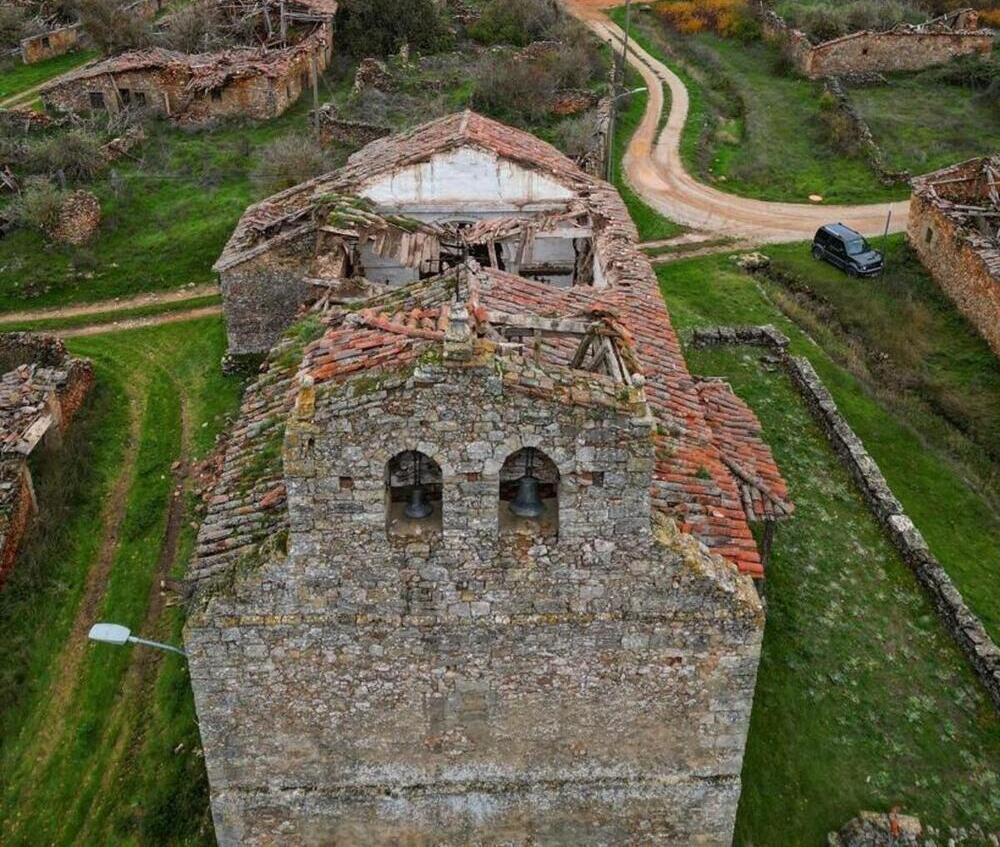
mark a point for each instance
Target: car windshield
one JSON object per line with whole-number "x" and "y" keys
{"x": 857, "y": 246}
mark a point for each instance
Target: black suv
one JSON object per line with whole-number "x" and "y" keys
{"x": 846, "y": 249}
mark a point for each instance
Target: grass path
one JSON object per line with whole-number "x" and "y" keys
{"x": 21, "y": 83}
{"x": 106, "y": 735}
{"x": 139, "y": 301}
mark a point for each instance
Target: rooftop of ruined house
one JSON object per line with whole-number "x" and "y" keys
{"x": 198, "y": 71}
{"x": 288, "y": 213}
{"x": 968, "y": 193}
{"x": 25, "y": 413}
{"x": 711, "y": 462}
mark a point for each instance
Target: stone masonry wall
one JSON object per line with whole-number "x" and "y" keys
{"x": 263, "y": 295}
{"x": 56, "y": 42}
{"x": 892, "y": 52}
{"x": 864, "y": 53}
{"x": 17, "y": 505}
{"x": 957, "y": 266}
{"x": 864, "y": 135}
{"x": 462, "y": 687}
{"x": 167, "y": 91}
{"x": 963, "y": 625}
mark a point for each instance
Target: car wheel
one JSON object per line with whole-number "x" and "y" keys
{"x": 852, "y": 272}
{"x": 817, "y": 253}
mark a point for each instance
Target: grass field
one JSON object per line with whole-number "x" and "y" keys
{"x": 21, "y": 77}
{"x": 961, "y": 124}
{"x": 165, "y": 219}
{"x": 862, "y": 700}
{"x": 107, "y": 736}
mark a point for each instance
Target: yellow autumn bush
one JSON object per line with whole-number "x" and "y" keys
{"x": 725, "y": 17}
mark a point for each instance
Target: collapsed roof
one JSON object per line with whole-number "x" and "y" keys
{"x": 969, "y": 194}
{"x": 713, "y": 472}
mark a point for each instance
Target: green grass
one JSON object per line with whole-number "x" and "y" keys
{"x": 960, "y": 126}
{"x": 952, "y": 511}
{"x": 120, "y": 759}
{"x": 862, "y": 700}
{"x": 751, "y": 131}
{"x": 165, "y": 219}
{"x": 21, "y": 77}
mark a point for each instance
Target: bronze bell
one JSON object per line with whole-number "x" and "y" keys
{"x": 419, "y": 507}
{"x": 527, "y": 504}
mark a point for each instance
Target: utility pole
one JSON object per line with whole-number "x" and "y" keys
{"x": 628, "y": 28}
{"x": 885, "y": 243}
{"x": 314, "y": 73}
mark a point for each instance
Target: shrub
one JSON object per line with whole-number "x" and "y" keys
{"x": 288, "y": 161}
{"x": 577, "y": 62}
{"x": 990, "y": 17}
{"x": 823, "y": 23}
{"x": 196, "y": 28}
{"x": 76, "y": 153}
{"x": 512, "y": 90}
{"x": 12, "y": 25}
{"x": 576, "y": 136}
{"x": 39, "y": 204}
{"x": 111, "y": 28}
{"x": 517, "y": 22}
{"x": 730, "y": 18}
{"x": 381, "y": 27}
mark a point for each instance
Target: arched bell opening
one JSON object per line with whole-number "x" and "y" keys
{"x": 529, "y": 494}
{"x": 413, "y": 495}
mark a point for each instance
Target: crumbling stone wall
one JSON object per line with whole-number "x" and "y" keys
{"x": 49, "y": 44}
{"x": 79, "y": 219}
{"x": 17, "y": 505}
{"x": 262, "y": 90}
{"x": 863, "y": 133}
{"x": 464, "y": 687}
{"x": 47, "y": 391}
{"x": 891, "y": 52}
{"x": 865, "y": 52}
{"x": 962, "y": 262}
{"x": 959, "y": 620}
{"x": 264, "y": 295}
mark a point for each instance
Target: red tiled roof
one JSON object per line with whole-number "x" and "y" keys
{"x": 713, "y": 472}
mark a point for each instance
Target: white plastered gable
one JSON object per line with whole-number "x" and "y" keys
{"x": 466, "y": 177}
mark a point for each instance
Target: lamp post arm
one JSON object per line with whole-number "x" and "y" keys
{"x": 158, "y": 645}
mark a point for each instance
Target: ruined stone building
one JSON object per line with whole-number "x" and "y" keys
{"x": 954, "y": 227}
{"x": 904, "y": 48}
{"x": 192, "y": 88}
{"x": 478, "y": 566}
{"x": 41, "y": 390}
{"x": 66, "y": 37}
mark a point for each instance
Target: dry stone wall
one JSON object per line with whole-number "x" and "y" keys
{"x": 865, "y": 53}
{"x": 963, "y": 625}
{"x": 962, "y": 262}
{"x": 462, "y": 686}
{"x": 863, "y": 133}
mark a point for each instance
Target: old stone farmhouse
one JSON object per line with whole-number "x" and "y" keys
{"x": 478, "y": 567}
{"x": 68, "y": 37}
{"x": 258, "y": 83}
{"x": 903, "y": 48}
{"x": 41, "y": 390}
{"x": 955, "y": 229}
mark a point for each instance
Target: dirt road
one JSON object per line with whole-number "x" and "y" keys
{"x": 654, "y": 169}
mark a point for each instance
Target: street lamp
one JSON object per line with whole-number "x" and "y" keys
{"x": 611, "y": 128}
{"x": 112, "y": 633}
